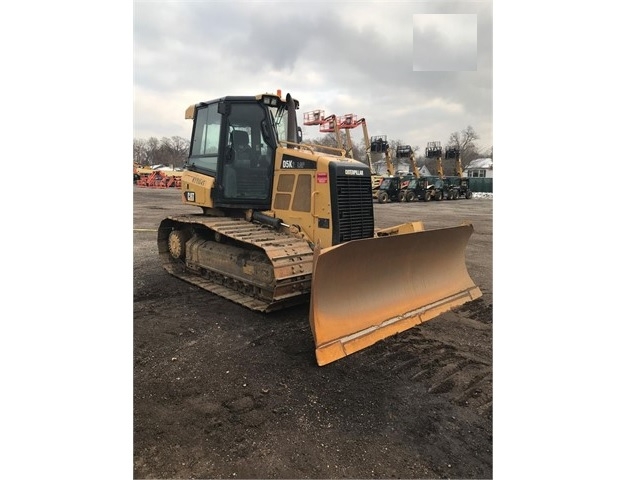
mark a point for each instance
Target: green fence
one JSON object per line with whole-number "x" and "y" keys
{"x": 480, "y": 184}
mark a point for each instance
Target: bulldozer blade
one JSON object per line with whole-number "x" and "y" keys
{"x": 366, "y": 290}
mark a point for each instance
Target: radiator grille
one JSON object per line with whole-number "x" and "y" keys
{"x": 353, "y": 209}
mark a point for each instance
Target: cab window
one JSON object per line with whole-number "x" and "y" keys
{"x": 205, "y": 146}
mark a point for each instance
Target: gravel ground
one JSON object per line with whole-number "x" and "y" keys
{"x": 220, "y": 391}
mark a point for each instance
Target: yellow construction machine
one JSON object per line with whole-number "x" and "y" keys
{"x": 350, "y": 121}
{"x": 283, "y": 223}
{"x": 334, "y": 124}
{"x": 379, "y": 144}
{"x": 140, "y": 170}
{"x": 458, "y": 185}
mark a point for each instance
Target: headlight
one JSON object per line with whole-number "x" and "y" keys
{"x": 270, "y": 100}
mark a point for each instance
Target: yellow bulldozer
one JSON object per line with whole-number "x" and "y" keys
{"x": 283, "y": 223}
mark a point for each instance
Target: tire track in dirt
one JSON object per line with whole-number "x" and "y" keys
{"x": 441, "y": 368}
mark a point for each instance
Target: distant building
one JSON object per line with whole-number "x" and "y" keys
{"x": 424, "y": 171}
{"x": 479, "y": 168}
{"x": 381, "y": 168}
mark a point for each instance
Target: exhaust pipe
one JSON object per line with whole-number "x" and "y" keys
{"x": 292, "y": 117}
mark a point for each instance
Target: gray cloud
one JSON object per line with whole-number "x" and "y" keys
{"x": 445, "y": 42}
{"x": 344, "y": 58}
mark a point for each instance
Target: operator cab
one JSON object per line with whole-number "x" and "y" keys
{"x": 390, "y": 183}
{"x": 234, "y": 140}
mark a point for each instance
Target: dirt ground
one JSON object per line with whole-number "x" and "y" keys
{"x": 224, "y": 392}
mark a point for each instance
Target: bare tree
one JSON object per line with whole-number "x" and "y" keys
{"x": 465, "y": 140}
{"x": 167, "y": 151}
{"x": 327, "y": 140}
{"x": 140, "y": 151}
{"x": 180, "y": 147}
{"x": 153, "y": 145}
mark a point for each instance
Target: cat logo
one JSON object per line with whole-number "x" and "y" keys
{"x": 353, "y": 172}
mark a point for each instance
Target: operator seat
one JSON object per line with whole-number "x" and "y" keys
{"x": 243, "y": 153}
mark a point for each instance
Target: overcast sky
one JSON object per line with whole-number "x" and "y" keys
{"x": 416, "y": 71}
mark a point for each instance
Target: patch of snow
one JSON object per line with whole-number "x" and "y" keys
{"x": 482, "y": 195}
{"x": 480, "y": 163}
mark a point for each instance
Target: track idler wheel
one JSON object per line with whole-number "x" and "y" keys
{"x": 177, "y": 244}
